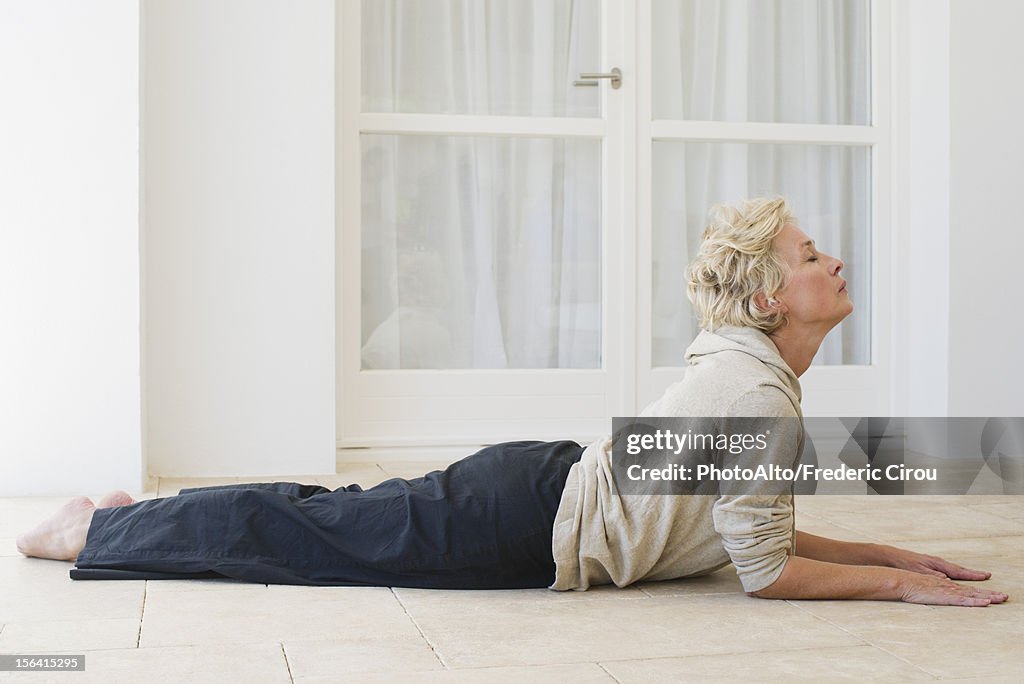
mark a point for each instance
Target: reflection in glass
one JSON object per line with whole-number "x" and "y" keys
{"x": 480, "y": 252}
{"x": 480, "y": 56}
{"x": 787, "y": 61}
{"x": 827, "y": 188}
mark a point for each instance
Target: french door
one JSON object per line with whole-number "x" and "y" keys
{"x": 521, "y": 185}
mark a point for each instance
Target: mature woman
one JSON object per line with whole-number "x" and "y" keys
{"x": 533, "y": 514}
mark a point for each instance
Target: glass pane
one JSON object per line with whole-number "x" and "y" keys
{"x": 791, "y": 61}
{"x": 480, "y": 56}
{"x": 828, "y": 190}
{"x": 481, "y": 252}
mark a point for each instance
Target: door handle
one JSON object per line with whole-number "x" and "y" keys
{"x": 615, "y": 76}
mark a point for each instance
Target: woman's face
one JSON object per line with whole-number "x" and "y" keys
{"x": 815, "y": 294}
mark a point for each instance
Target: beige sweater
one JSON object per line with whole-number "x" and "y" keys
{"x": 602, "y": 538}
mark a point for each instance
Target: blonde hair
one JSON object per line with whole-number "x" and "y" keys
{"x": 736, "y": 261}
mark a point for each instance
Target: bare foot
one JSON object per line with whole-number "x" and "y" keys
{"x": 62, "y": 536}
{"x": 115, "y": 498}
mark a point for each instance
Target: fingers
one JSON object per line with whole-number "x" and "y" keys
{"x": 933, "y": 573}
{"x": 973, "y": 601}
{"x": 993, "y": 596}
{"x": 954, "y": 571}
{"x": 970, "y": 596}
{"x": 935, "y": 591}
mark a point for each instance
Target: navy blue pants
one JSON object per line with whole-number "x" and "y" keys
{"x": 484, "y": 522}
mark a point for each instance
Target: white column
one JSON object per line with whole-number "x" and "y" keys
{"x": 238, "y": 168}
{"x": 69, "y": 247}
{"x": 986, "y": 237}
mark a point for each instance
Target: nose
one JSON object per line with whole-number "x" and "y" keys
{"x": 838, "y": 265}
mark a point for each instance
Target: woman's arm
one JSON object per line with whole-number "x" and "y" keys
{"x": 858, "y": 553}
{"x": 835, "y": 551}
{"x": 805, "y": 578}
{"x": 830, "y": 569}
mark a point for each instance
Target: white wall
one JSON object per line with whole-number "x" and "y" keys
{"x": 922, "y": 307}
{"x": 69, "y": 250}
{"x": 986, "y": 327}
{"x": 238, "y": 170}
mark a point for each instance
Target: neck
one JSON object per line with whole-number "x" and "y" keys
{"x": 797, "y": 347}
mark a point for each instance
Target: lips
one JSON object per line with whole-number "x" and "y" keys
{"x": 843, "y": 288}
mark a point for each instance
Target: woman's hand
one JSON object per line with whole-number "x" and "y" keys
{"x": 941, "y": 591}
{"x": 931, "y": 565}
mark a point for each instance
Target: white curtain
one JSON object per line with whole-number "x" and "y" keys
{"x": 791, "y": 61}
{"x": 480, "y": 252}
{"x": 484, "y": 252}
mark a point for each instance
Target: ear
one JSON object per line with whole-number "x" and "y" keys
{"x": 762, "y": 302}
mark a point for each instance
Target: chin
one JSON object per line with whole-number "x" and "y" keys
{"x": 847, "y": 311}
{"x": 842, "y": 314}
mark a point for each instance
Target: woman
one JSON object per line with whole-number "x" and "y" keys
{"x": 533, "y": 514}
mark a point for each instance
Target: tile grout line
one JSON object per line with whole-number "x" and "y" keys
{"x": 866, "y": 641}
{"x": 614, "y": 678}
{"x": 433, "y": 648}
{"x": 291, "y": 677}
{"x": 142, "y": 614}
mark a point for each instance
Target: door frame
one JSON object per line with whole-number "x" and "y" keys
{"x": 386, "y": 408}
{"x": 458, "y": 407}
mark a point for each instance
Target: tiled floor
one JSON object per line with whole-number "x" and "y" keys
{"x": 690, "y": 630}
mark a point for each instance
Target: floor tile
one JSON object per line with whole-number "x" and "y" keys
{"x": 468, "y": 631}
{"x": 277, "y": 614}
{"x": 830, "y": 664}
{"x": 1008, "y": 550}
{"x": 154, "y": 587}
{"x": 823, "y": 528}
{"x": 724, "y": 581}
{"x": 607, "y": 592}
{"x": 8, "y": 546}
{"x": 256, "y": 663}
{"x": 946, "y": 641}
{"x": 41, "y": 590}
{"x": 854, "y": 612}
{"x": 359, "y": 654}
{"x": 984, "y": 679}
{"x": 69, "y": 635}
{"x": 1013, "y": 511}
{"x": 577, "y": 673}
{"x": 906, "y": 518}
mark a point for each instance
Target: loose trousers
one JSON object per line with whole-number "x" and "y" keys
{"x": 485, "y": 522}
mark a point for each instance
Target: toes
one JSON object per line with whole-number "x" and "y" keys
{"x": 115, "y": 498}
{"x": 79, "y": 503}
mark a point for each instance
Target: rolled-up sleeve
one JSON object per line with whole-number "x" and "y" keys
{"x": 757, "y": 533}
{"x": 756, "y": 523}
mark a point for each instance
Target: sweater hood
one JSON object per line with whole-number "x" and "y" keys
{"x": 749, "y": 341}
